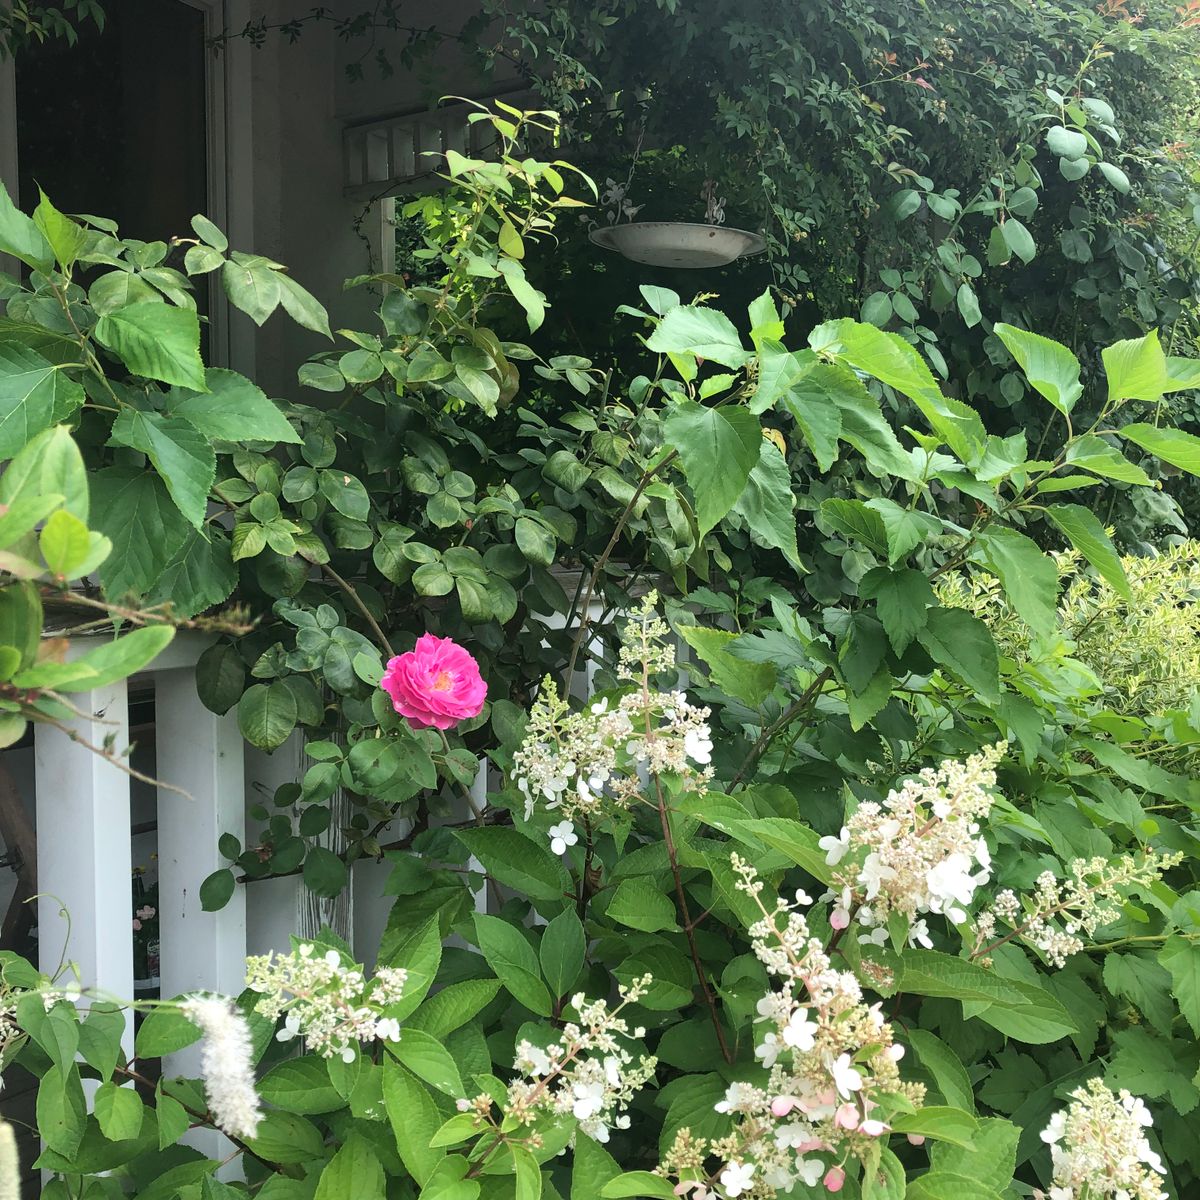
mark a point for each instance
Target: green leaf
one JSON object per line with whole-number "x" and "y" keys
{"x": 1173, "y": 446}
{"x": 121, "y": 657}
{"x": 523, "y": 292}
{"x": 945, "y": 1067}
{"x": 767, "y": 504}
{"x": 173, "y": 1118}
{"x": 1182, "y": 958}
{"x": 253, "y": 287}
{"x": 414, "y": 1119}
{"x": 906, "y": 528}
{"x": 325, "y": 874}
{"x": 33, "y": 394}
{"x": 968, "y": 305}
{"x": 100, "y": 1037}
{"x": 199, "y": 576}
{"x": 119, "y": 1111}
{"x": 180, "y": 454}
{"x": 902, "y": 599}
{"x": 517, "y": 862}
{"x": 855, "y": 521}
{"x": 1115, "y": 176}
{"x": 943, "y": 1123}
{"x": 50, "y": 464}
{"x": 750, "y": 682}
{"x": 877, "y": 309}
{"x": 419, "y": 953}
{"x": 453, "y": 1006}
{"x": 514, "y": 962}
{"x": 639, "y": 904}
{"x": 562, "y": 952}
{"x": 449, "y": 1182}
{"x": 789, "y": 837}
{"x": 21, "y": 620}
{"x": 427, "y": 1059}
{"x": 963, "y": 644}
{"x": 1092, "y": 453}
{"x": 779, "y": 371}
{"x": 217, "y": 890}
{"x": 66, "y": 237}
{"x": 156, "y": 341}
{"x": 702, "y": 332}
{"x": 718, "y": 447}
{"x": 220, "y": 677}
{"x": 232, "y": 409}
{"x": 61, "y": 1110}
{"x": 990, "y": 1159}
{"x": 1136, "y": 369}
{"x": 592, "y": 1169}
{"x": 535, "y": 541}
{"x": 947, "y": 1185}
{"x": 267, "y": 714}
{"x": 1066, "y": 143}
{"x": 21, "y": 238}
{"x": 1051, "y": 369}
{"x": 1019, "y": 240}
{"x": 638, "y": 1183}
{"x": 135, "y": 512}
{"x": 890, "y": 359}
{"x": 284, "y": 1137}
{"x": 64, "y": 543}
{"x": 163, "y": 1031}
{"x": 302, "y": 306}
{"x": 1083, "y": 530}
{"x": 301, "y": 1085}
{"x": 354, "y": 1171}
{"x": 817, "y": 414}
{"x": 529, "y": 1174}
{"x": 1029, "y": 576}
{"x": 208, "y": 233}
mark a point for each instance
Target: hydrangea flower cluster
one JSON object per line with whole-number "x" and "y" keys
{"x": 831, "y": 1060}
{"x": 918, "y": 852}
{"x": 584, "y": 765}
{"x": 333, "y": 1007}
{"x": 587, "y": 1073}
{"x": 1100, "y": 1150}
{"x": 225, "y": 1062}
{"x": 1053, "y": 918}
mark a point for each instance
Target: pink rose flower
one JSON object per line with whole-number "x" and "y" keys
{"x": 436, "y": 683}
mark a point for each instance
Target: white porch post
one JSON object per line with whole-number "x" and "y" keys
{"x": 201, "y": 753}
{"x": 84, "y": 855}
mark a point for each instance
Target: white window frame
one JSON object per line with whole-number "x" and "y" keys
{"x": 229, "y": 160}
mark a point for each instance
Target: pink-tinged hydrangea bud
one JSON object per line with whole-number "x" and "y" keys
{"x": 834, "y": 1178}
{"x": 782, "y": 1105}
{"x": 839, "y": 918}
{"x": 916, "y": 1139}
{"x": 872, "y": 1127}
{"x": 846, "y": 1117}
{"x": 437, "y": 683}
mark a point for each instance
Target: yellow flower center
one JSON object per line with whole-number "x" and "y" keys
{"x": 442, "y": 682}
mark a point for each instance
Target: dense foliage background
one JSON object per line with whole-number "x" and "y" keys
{"x": 956, "y": 517}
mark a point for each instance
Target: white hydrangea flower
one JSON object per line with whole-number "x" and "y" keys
{"x": 562, "y": 836}
{"x": 737, "y": 1178}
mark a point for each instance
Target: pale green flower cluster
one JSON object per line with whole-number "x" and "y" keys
{"x": 1060, "y": 913}
{"x": 330, "y": 1004}
{"x": 1100, "y": 1150}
